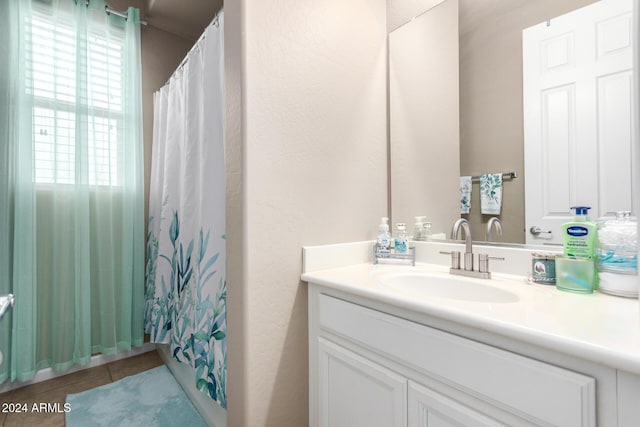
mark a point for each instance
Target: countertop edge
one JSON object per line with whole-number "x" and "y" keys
{"x": 559, "y": 344}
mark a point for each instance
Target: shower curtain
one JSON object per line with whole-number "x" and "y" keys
{"x": 185, "y": 276}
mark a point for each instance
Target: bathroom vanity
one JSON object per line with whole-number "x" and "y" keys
{"x": 412, "y": 346}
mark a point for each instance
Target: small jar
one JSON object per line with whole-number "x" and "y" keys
{"x": 617, "y": 255}
{"x": 543, "y": 268}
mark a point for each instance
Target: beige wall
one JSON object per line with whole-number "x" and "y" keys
{"x": 491, "y": 135}
{"x": 424, "y": 118}
{"x": 399, "y": 12}
{"x": 313, "y": 171}
{"x": 238, "y": 383}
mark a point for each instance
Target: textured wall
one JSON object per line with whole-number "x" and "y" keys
{"x": 313, "y": 171}
{"x": 237, "y": 246}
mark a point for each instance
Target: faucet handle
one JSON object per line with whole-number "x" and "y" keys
{"x": 483, "y": 262}
{"x": 455, "y": 258}
{"x": 468, "y": 261}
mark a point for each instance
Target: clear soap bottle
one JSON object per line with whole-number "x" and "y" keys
{"x": 418, "y": 229}
{"x": 401, "y": 239}
{"x": 427, "y": 231}
{"x": 383, "y": 243}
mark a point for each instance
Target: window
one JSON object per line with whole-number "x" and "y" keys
{"x": 77, "y": 102}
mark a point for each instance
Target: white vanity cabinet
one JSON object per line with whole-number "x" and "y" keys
{"x": 356, "y": 392}
{"x": 371, "y": 368}
{"x": 427, "y": 407}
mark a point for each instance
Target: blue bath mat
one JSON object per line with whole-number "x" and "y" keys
{"x": 152, "y": 399}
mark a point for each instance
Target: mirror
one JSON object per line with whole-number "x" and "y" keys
{"x": 470, "y": 122}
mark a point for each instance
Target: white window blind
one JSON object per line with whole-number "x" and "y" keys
{"x": 76, "y": 84}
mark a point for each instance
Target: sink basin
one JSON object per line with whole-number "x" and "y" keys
{"x": 445, "y": 286}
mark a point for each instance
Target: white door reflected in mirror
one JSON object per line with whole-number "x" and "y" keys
{"x": 577, "y": 77}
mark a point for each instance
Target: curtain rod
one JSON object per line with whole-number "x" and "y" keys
{"x": 124, "y": 15}
{"x": 215, "y": 21}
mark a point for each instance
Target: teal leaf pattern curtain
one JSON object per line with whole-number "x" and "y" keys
{"x": 71, "y": 184}
{"x": 185, "y": 278}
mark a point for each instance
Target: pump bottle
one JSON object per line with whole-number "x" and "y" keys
{"x": 579, "y": 235}
{"x": 383, "y": 243}
{"x": 402, "y": 239}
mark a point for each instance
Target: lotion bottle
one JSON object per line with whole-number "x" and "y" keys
{"x": 576, "y": 270}
{"x": 579, "y": 235}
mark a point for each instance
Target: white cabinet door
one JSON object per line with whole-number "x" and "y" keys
{"x": 355, "y": 392}
{"x": 428, "y": 408}
{"x": 578, "y": 116}
{"x": 628, "y": 399}
{"x": 516, "y": 387}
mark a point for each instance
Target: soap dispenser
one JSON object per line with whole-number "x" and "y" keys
{"x": 402, "y": 239}
{"x": 427, "y": 233}
{"x": 383, "y": 243}
{"x": 418, "y": 228}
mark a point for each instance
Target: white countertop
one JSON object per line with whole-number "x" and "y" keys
{"x": 595, "y": 327}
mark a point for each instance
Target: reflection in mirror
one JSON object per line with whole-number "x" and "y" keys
{"x": 577, "y": 86}
{"x": 491, "y": 126}
{"x": 424, "y": 118}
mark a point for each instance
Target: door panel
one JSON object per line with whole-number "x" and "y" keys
{"x": 577, "y": 77}
{"x": 614, "y": 142}
{"x": 428, "y": 408}
{"x": 355, "y": 392}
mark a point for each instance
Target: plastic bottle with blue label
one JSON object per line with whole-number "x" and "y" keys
{"x": 402, "y": 239}
{"x": 579, "y": 235}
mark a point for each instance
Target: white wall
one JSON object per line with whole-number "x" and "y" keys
{"x": 312, "y": 161}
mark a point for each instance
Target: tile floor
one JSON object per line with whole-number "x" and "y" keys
{"x": 56, "y": 389}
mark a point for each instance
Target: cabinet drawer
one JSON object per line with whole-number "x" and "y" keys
{"x": 536, "y": 391}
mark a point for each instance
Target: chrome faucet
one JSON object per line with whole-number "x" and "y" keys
{"x": 468, "y": 251}
{"x": 494, "y": 222}
{"x": 483, "y": 259}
